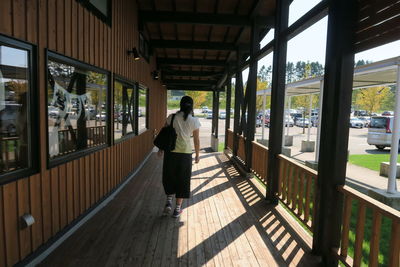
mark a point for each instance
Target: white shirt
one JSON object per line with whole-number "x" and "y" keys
{"x": 184, "y": 130}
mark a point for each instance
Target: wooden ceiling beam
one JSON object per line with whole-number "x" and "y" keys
{"x": 190, "y": 73}
{"x": 189, "y": 82}
{"x": 198, "y": 18}
{"x": 176, "y": 44}
{"x": 195, "y": 62}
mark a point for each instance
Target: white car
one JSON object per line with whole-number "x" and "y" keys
{"x": 102, "y": 116}
{"x": 209, "y": 114}
{"x": 289, "y": 122}
{"x": 222, "y": 115}
{"x": 204, "y": 109}
{"x": 302, "y": 122}
{"x": 380, "y": 131}
{"x": 356, "y": 123}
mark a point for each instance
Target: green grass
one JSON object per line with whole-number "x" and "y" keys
{"x": 371, "y": 162}
{"x": 221, "y": 147}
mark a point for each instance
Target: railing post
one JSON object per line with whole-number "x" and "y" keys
{"x": 277, "y": 99}
{"x": 214, "y": 127}
{"x": 339, "y": 67}
{"x": 251, "y": 91}
{"x": 228, "y": 108}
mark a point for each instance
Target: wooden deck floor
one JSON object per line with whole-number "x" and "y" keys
{"x": 225, "y": 223}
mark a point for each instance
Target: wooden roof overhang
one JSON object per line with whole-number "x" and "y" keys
{"x": 196, "y": 42}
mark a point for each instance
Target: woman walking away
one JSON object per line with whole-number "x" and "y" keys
{"x": 177, "y": 165}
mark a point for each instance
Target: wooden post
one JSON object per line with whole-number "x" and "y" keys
{"x": 228, "y": 108}
{"x": 251, "y": 93}
{"x": 238, "y": 101}
{"x": 277, "y": 99}
{"x": 339, "y": 67}
{"x": 216, "y": 99}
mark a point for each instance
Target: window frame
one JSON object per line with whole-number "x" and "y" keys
{"x": 33, "y": 112}
{"x": 142, "y": 86}
{"x": 134, "y": 86}
{"x": 144, "y": 47}
{"x": 107, "y": 19}
{"x": 84, "y": 152}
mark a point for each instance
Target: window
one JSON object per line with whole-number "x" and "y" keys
{"x": 124, "y": 109}
{"x": 143, "y": 108}
{"x": 76, "y": 106}
{"x": 16, "y": 109}
{"x": 101, "y": 8}
{"x": 144, "y": 49}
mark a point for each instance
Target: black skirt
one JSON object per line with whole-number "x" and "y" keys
{"x": 177, "y": 171}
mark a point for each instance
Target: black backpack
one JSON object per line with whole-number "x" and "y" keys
{"x": 166, "y": 138}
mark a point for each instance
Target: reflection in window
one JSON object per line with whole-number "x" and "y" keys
{"x": 77, "y": 116}
{"x": 124, "y": 110}
{"x": 143, "y": 109}
{"x": 14, "y": 99}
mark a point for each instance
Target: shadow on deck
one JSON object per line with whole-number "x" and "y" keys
{"x": 225, "y": 223}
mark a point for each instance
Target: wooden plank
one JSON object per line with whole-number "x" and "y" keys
{"x": 70, "y": 191}
{"x": 374, "y": 243}
{"x": 36, "y": 210}
{"x": 11, "y": 223}
{"x": 19, "y": 19}
{"x": 63, "y": 195}
{"x": 55, "y": 200}
{"x": 75, "y": 21}
{"x": 345, "y": 227}
{"x": 81, "y": 36}
{"x": 82, "y": 186}
{"x": 25, "y": 244}
{"x": 51, "y": 25}
{"x": 76, "y": 183}
{"x": 91, "y": 167}
{"x": 3, "y": 254}
{"x": 67, "y": 29}
{"x": 86, "y": 35}
{"x": 6, "y": 21}
{"x": 92, "y": 41}
{"x": 60, "y": 13}
{"x": 359, "y": 234}
{"x": 87, "y": 183}
{"x": 46, "y": 198}
{"x": 394, "y": 257}
{"x": 31, "y": 21}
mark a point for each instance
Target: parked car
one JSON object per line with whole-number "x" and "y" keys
{"x": 8, "y": 119}
{"x": 388, "y": 113}
{"x": 380, "y": 131}
{"x": 296, "y": 116}
{"x": 140, "y": 114}
{"x": 209, "y": 114}
{"x": 302, "y": 122}
{"x": 101, "y": 116}
{"x": 222, "y": 115}
{"x": 365, "y": 120}
{"x": 356, "y": 123}
{"x": 204, "y": 109}
{"x": 314, "y": 121}
{"x": 267, "y": 121}
{"x": 258, "y": 122}
{"x": 289, "y": 122}
{"x": 53, "y": 111}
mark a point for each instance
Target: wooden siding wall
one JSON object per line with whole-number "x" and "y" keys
{"x": 58, "y": 196}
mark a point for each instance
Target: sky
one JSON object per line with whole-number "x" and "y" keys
{"x": 310, "y": 45}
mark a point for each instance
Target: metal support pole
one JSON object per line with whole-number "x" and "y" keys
{"x": 321, "y": 93}
{"x": 338, "y": 84}
{"x": 309, "y": 116}
{"x": 277, "y": 98}
{"x": 394, "y": 148}
{"x": 263, "y": 116}
{"x": 228, "y": 108}
{"x": 289, "y": 108}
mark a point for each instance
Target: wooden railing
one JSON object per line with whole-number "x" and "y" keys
{"x": 260, "y": 161}
{"x": 383, "y": 217}
{"x": 96, "y": 135}
{"x": 230, "y": 140}
{"x": 242, "y": 148}
{"x": 297, "y": 189}
{"x": 9, "y": 151}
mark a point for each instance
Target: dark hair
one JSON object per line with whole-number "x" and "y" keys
{"x": 186, "y": 106}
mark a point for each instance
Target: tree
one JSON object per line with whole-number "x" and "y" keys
{"x": 389, "y": 102}
{"x": 262, "y": 85}
{"x": 199, "y": 97}
{"x": 371, "y": 99}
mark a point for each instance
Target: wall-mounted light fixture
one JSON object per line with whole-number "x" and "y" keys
{"x": 134, "y": 53}
{"x": 155, "y": 74}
